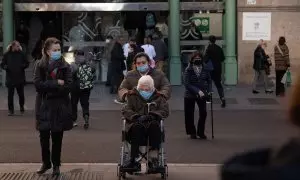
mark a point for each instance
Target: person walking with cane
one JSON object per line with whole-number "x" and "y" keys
{"x": 197, "y": 82}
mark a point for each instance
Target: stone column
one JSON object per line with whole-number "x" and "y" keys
{"x": 231, "y": 69}
{"x": 8, "y": 27}
{"x": 174, "y": 42}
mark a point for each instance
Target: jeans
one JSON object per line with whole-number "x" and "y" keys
{"x": 189, "y": 109}
{"x": 257, "y": 75}
{"x": 56, "y": 147}
{"x": 82, "y": 95}
{"x": 11, "y": 92}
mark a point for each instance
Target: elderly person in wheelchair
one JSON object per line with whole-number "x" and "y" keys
{"x": 143, "y": 112}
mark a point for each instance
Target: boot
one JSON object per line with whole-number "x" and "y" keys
{"x": 86, "y": 122}
{"x": 223, "y": 104}
{"x": 44, "y": 168}
{"x": 56, "y": 171}
{"x": 22, "y": 110}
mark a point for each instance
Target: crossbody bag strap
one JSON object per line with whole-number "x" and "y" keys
{"x": 279, "y": 49}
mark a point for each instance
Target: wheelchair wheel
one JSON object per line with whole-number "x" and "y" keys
{"x": 120, "y": 174}
{"x": 164, "y": 176}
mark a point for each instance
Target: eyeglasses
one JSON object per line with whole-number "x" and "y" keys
{"x": 141, "y": 63}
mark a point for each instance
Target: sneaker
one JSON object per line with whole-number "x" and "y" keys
{"x": 202, "y": 137}
{"x": 11, "y": 113}
{"x": 86, "y": 122}
{"x": 75, "y": 124}
{"x": 223, "y": 104}
{"x": 255, "y": 92}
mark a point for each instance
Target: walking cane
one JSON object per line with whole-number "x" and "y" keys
{"x": 212, "y": 116}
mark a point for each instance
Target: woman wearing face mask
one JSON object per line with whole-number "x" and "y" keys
{"x": 197, "y": 84}
{"x": 52, "y": 80}
{"x": 141, "y": 62}
{"x": 14, "y": 63}
{"x": 143, "y": 122}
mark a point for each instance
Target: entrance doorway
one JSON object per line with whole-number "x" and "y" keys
{"x": 31, "y": 28}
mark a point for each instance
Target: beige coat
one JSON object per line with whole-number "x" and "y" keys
{"x": 130, "y": 81}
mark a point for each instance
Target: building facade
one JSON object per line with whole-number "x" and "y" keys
{"x": 277, "y": 18}
{"x": 86, "y": 24}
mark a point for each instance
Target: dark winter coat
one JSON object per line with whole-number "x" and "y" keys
{"x": 265, "y": 164}
{"x": 15, "y": 63}
{"x": 161, "y": 50}
{"x": 130, "y": 81}
{"x": 260, "y": 59}
{"x": 117, "y": 58}
{"x": 194, "y": 83}
{"x": 137, "y": 106}
{"x": 215, "y": 54}
{"x": 54, "y": 111}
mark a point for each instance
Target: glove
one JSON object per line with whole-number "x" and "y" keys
{"x": 201, "y": 94}
{"x": 142, "y": 118}
{"x": 153, "y": 117}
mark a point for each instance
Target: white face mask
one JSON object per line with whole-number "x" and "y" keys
{"x": 107, "y": 41}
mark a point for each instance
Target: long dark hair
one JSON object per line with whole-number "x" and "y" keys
{"x": 48, "y": 43}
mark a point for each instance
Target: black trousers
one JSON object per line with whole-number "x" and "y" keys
{"x": 56, "y": 147}
{"x": 109, "y": 74}
{"x": 216, "y": 78}
{"x": 280, "y": 89}
{"x": 11, "y": 93}
{"x": 83, "y": 96}
{"x": 140, "y": 133}
{"x": 116, "y": 80}
{"x": 189, "y": 109}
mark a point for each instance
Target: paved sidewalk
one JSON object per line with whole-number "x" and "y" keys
{"x": 107, "y": 172}
{"x": 239, "y": 98}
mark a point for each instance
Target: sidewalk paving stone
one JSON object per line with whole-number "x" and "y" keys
{"x": 105, "y": 172}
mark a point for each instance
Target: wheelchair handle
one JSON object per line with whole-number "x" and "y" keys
{"x": 149, "y": 105}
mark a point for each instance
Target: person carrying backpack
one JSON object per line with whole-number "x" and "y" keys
{"x": 83, "y": 83}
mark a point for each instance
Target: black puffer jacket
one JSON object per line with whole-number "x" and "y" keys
{"x": 53, "y": 102}
{"x": 194, "y": 83}
{"x": 265, "y": 164}
{"x": 14, "y": 63}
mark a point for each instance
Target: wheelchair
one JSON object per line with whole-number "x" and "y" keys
{"x": 143, "y": 155}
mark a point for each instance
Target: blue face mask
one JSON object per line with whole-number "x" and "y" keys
{"x": 143, "y": 68}
{"x": 146, "y": 94}
{"x": 55, "y": 55}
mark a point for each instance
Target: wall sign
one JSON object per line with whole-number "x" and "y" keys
{"x": 251, "y": 2}
{"x": 202, "y": 24}
{"x": 256, "y": 26}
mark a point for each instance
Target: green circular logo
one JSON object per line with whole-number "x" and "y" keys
{"x": 205, "y": 22}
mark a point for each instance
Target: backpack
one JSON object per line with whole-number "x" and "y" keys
{"x": 85, "y": 76}
{"x": 150, "y": 20}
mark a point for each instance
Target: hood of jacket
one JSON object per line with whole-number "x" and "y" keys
{"x": 265, "y": 164}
